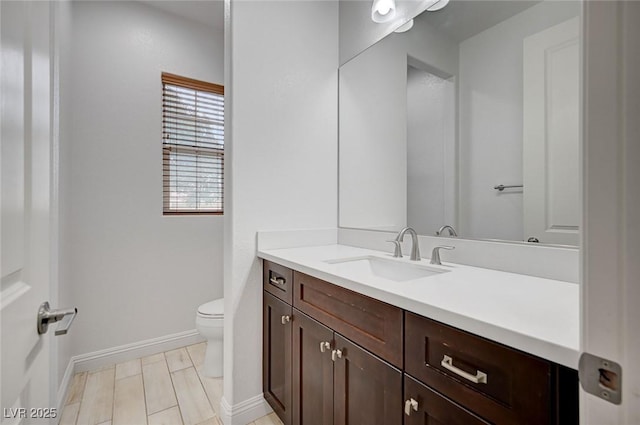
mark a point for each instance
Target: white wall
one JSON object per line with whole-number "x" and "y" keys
{"x": 132, "y": 273}
{"x": 490, "y": 137}
{"x": 281, "y": 169}
{"x": 373, "y": 158}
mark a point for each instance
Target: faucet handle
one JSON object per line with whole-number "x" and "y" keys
{"x": 397, "y": 252}
{"x": 435, "y": 254}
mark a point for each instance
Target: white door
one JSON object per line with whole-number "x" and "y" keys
{"x": 611, "y": 236}
{"x": 25, "y": 209}
{"x": 551, "y": 134}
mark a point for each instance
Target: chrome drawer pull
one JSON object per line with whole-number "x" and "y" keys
{"x": 409, "y": 405}
{"x": 324, "y": 345}
{"x": 277, "y": 280}
{"x": 285, "y": 319}
{"x": 478, "y": 378}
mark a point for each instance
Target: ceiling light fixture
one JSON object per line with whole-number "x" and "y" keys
{"x": 383, "y": 10}
{"x": 438, "y": 5}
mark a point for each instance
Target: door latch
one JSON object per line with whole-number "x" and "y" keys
{"x": 601, "y": 377}
{"x": 47, "y": 316}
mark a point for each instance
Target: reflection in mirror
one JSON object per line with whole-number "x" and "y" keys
{"x": 477, "y": 95}
{"x": 431, "y": 158}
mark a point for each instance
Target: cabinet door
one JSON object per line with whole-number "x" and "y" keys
{"x": 276, "y": 346}
{"x": 367, "y": 389}
{"x": 434, "y": 409}
{"x": 312, "y": 372}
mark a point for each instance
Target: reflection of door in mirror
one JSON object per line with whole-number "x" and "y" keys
{"x": 551, "y": 134}
{"x": 431, "y": 182}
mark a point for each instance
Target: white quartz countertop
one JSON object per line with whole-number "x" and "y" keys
{"x": 532, "y": 314}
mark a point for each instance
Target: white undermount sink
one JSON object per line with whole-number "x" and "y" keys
{"x": 387, "y": 268}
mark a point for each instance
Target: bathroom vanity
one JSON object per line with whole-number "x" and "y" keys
{"x": 339, "y": 350}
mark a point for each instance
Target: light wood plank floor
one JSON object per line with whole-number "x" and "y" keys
{"x": 164, "y": 389}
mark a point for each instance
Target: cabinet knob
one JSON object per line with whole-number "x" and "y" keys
{"x": 409, "y": 405}
{"x": 285, "y": 319}
{"x": 324, "y": 345}
{"x": 336, "y": 354}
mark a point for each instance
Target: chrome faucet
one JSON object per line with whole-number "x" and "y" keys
{"x": 435, "y": 254}
{"x": 415, "y": 246}
{"x": 452, "y": 231}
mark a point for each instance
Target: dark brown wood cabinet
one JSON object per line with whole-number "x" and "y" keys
{"x": 336, "y": 382}
{"x": 500, "y": 384}
{"x": 336, "y": 357}
{"x": 425, "y": 406}
{"x": 276, "y": 356}
{"x": 313, "y": 375}
{"x": 497, "y": 383}
{"x": 367, "y": 390}
{"x": 373, "y": 324}
{"x": 312, "y": 372}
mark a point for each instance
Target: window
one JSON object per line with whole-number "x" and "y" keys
{"x": 192, "y": 146}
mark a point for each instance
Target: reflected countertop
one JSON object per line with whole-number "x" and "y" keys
{"x": 532, "y": 314}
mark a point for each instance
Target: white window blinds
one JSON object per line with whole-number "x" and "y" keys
{"x": 192, "y": 146}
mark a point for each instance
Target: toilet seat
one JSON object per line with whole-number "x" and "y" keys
{"x": 212, "y": 310}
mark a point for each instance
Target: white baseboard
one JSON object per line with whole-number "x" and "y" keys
{"x": 123, "y": 353}
{"x": 244, "y": 412}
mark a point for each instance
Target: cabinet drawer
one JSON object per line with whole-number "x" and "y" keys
{"x": 278, "y": 281}
{"x": 512, "y": 387}
{"x": 433, "y": 408}
{"x": 374, "y": 325}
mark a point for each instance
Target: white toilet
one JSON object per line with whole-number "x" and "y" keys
{"x": 210, "y": 324}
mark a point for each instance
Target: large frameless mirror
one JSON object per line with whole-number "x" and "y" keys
{"x": 469, "y": 119}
